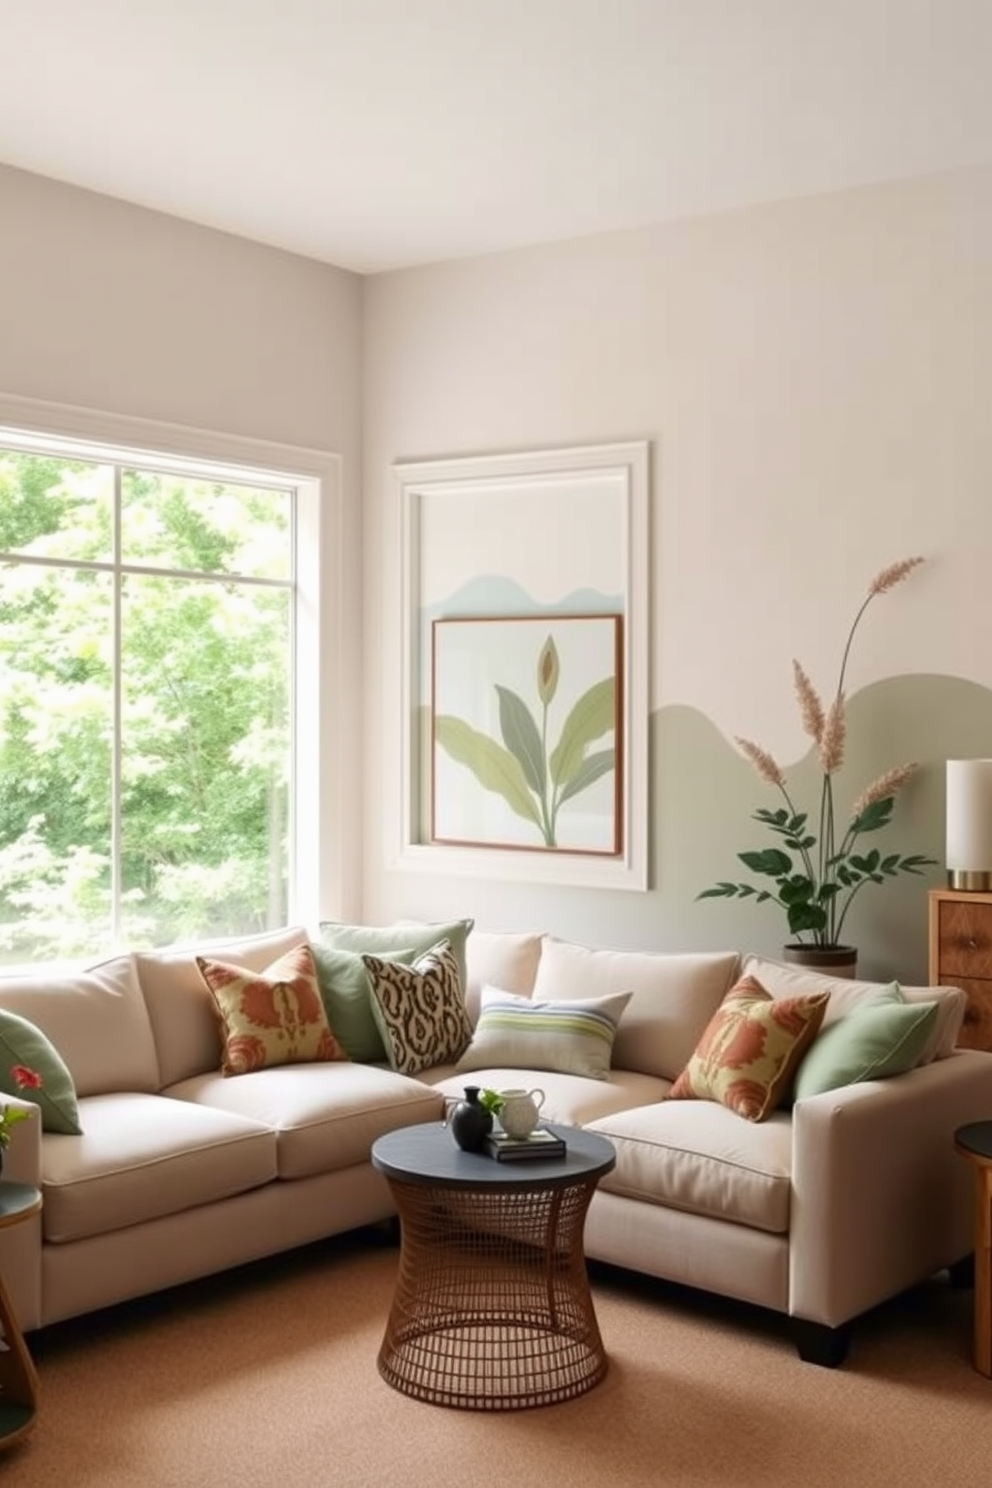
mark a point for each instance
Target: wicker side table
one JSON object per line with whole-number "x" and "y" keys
{"x": 492, "y": 1309}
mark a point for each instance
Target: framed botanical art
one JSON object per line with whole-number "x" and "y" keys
{"x": 518, "y": 723}
{"x": 526, "y": 729}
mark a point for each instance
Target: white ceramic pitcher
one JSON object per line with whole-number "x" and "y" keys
{"x": 520, "y": 1111}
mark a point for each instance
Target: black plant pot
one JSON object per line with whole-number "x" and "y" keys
{"x": 470, "y": 1122}
{"x": 838, "y": 960}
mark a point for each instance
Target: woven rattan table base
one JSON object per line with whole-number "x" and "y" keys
{"x": 492, "y": 1309}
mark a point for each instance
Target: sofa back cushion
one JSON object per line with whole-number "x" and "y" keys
{"x": 96, "y": 1019}
{"x": 673, "y": 997}
{"x": 502, "y": 959}
{"x": 846, "y": 994}
{"x": 180, "y": 1008}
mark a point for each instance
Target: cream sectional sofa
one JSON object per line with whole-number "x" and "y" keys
{"x": 819, "y": 1212}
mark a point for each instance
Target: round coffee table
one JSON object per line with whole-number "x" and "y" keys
{"x": 492, "y": 1309}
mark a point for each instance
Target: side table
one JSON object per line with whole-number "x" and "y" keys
{"x": 18, "y": 1380}
{"x": 974, "y": 1142}
{"x": 492, "y": 1309}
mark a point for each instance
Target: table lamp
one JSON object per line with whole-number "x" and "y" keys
{"x": 969, "y": 824}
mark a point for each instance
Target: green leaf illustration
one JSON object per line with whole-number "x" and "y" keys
{"x": 521, "y": 737}
{"x": 591, "y": 770}
{"x": 495, "y": 768}
{"x": 593, "y": 715}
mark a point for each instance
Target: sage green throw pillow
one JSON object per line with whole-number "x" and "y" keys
{"x": 23, "y": 1044}
{"x": 346, "y": 993}
{"x": 403, "y": 942}
{"x": 881, "y": 1038}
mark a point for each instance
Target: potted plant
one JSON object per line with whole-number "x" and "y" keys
{"x": 818, "y": 873}
{"x": 24, "y": 1079}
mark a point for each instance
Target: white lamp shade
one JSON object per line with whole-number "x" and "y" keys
{"x": 969, "y": 822}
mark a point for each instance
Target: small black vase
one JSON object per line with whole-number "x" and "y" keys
{"x": 470, "y": 1123}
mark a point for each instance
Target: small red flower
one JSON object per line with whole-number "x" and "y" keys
{"x": 26, "y": 1079}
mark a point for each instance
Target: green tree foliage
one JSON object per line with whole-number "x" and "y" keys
{"x": 203, "y": 706}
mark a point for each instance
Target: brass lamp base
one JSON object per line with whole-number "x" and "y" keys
{"x": 970, "y": 880}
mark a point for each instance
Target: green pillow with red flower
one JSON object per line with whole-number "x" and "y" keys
{"x": 31, "y": 1067}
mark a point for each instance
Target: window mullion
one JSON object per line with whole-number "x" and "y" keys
{"x": 116, "y": 916}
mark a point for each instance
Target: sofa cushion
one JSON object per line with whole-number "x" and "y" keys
{"x": 419, "y": 1009}
{"x": 270, "y": 1017}
{"x": 673, "y": 998}
{"x": 23, "y": 1045}
{"x": 750, "y": 1050}
{"x": 847, "y": 993}
{"x": 180, "y": 1008}
{"x": 575, "y": 1037}
{"x": 500, "y": 959}
{"x": 97, "y": 1020}
{"x": 143, "y": 1156}
{"x": 878, "y": 1039}
{"x": 417, "y": 936}
{"x": 572, "y": 1100}
{"x": 325, "y": 1116}
{"x": 703, "y": 1159}
{"x": 347, "y": 997}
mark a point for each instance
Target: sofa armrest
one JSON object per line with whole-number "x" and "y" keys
{"x": 880, "y": 1198}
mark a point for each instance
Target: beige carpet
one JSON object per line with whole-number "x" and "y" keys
{"x": 267, "y": 1377}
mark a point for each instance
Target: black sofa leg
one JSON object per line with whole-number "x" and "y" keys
{"x": 818, "y": 1344}
{"x": 962, "y": 1273}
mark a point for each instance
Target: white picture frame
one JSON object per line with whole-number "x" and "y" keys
{"x": 535, "y": 535}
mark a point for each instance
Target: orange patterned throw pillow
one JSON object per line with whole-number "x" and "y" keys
{"x": 271, "y": 1017}
{"x": 751, "y": 1049}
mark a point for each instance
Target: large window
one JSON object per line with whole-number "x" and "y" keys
{"x": 146, "y": 687}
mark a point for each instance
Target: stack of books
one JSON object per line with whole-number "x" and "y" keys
{"x": 540, "y": 1143}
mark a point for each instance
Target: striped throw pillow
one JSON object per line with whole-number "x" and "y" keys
{"x": 571, "y": 1038}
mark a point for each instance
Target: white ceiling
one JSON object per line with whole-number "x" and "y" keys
{"x": 376, "y": 134}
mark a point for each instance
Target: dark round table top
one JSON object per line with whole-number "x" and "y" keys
{"x": 428, "y": 1154}
{"x": 17, "y": 1201}
{"x": 975, "y": 1138}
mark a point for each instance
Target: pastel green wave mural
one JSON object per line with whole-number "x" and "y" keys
{"x": 702, "y": 793}
{"x": 705, "y": 793}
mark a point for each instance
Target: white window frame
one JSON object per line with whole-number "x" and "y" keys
{"x": 318, "y": 850}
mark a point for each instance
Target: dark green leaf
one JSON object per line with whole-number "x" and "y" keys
{"x": 725, "y": 891}
{"x": 806, "y": 917}
{"x": 877, "y": 815}
{"x": 769, "y": 860}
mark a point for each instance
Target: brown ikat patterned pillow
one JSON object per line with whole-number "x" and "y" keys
{"x": 751, "y": 1049}
{"x": 420, "y": 1009}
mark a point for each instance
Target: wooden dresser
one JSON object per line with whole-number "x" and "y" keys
{"x": 961, "y": 956}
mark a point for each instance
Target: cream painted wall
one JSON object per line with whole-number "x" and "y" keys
{"x": 111, "y": 308}
{"x": 813, "y": 378}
